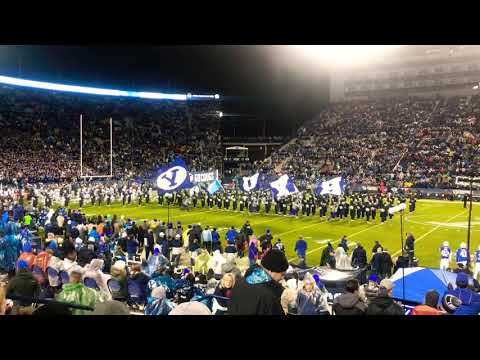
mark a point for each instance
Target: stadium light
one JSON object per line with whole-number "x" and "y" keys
{"x": 343, "y": 54}
{"x": 98, "y": 91}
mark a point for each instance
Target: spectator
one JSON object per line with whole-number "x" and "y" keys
{"x": 431, "y": 305}
{"x": 224, "y": 289}
{"x": 260, "y": 292}
{"x": 310, "y": 299}
{"x": 349, "y": 303}
{"x": 23, "y": 284}
{"x": 76, "y": 293}
{"x": 470, "y": 301}
{"x": 300, "y": 250}
{"x": 359, "y": 257}
{"x": 383, "y": 303}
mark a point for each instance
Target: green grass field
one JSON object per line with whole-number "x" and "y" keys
{"x": 432, "y": 223}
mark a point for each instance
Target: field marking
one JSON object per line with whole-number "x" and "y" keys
{"x": 430, "y": 231}
{"x": 335, "y": 241}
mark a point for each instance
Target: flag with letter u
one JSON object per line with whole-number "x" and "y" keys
{"x": 250, "y": 183}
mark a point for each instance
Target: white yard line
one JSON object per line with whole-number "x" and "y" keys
{"x": 430, "y": 231}
{"x": 333, "y": 242}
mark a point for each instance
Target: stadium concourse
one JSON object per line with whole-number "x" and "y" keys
{"x": 123, "y": 246}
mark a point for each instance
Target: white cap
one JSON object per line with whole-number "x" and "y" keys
{"x": 463, "y": 245}
{"x": 162, "y": 234}
{"x": 445, "y": 243}
{"x": 177, "y": 236}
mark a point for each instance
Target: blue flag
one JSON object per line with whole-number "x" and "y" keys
{"x": 282, "y": 187}
{"x": 174, "y": 177}
{"x": 250, "y": 183}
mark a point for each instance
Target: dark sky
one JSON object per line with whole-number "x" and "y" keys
{"x": 243, "y": 75}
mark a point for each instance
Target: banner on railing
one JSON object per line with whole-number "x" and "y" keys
{"x": 204, "y": 177}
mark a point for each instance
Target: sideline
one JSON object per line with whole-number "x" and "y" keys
{"x": 431, "y": 231}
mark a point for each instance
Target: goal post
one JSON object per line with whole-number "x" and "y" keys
{"x": 92, "y": 176}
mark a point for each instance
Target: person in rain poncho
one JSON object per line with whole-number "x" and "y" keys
{"x": 157, "y": 303}
{"x": 342, "y": 261}
{"x": 216, "y": 262}
{"x": 94, "y": 271}
{"x": 310, "y": 299}
{"x": 155, "y": 261}
{"x": 76, "y": 293}
{"x": 9, "y": 248}
{"x": 119, "y": 273}
{"x": 201, "y": 262}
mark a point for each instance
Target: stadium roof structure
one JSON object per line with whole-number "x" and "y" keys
{"x": 100, "y": 91}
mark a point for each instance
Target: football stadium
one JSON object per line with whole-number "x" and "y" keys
{"x": 197, "y": 199}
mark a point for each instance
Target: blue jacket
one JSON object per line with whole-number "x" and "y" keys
{"x": 470, "y": 301}
{"x": 230, "y": 236}
{"x": 215, "y": 236}
{"x": 301, "y": 247}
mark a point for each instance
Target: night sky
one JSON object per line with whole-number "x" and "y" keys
{"x": 252, "y": 80}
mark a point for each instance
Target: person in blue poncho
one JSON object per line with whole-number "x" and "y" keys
{"x": 9, "y": 249}
{"x": 157, "y": 303}
{"x": 156, "y": 261}
{"x": 4, "y": 218}
{"x": 93, "y": 233}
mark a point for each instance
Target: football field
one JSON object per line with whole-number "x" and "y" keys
{"x": 433, "y": 222}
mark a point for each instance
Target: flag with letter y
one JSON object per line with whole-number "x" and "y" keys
{"x": 282, "y": 187}
{"x": 335, "y": 186}
{"x": 174, "y": 177}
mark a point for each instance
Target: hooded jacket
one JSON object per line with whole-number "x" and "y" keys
{"x": 257, "y": 294}
{"x": 23, "y": 284}
{"x": 349, "y": 304}
{"x": 384, "y": 305}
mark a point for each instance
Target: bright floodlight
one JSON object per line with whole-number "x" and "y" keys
{"x": 220, "y": 114}
{"x": 217, "y": 96}
{"x": 97, "y": 91}
{"x": 343, "y": 54}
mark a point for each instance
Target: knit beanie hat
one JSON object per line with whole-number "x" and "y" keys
{"x": 22, "y": 265}
{"x": 275, "y": 261}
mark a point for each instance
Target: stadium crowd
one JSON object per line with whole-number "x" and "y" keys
{"x": 414, "y": 142}
{"x": 44, "y": 130}
{"x": 112, "y": 265}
